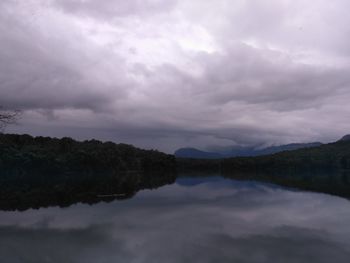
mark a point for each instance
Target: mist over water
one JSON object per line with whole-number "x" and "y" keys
{"x": 201, "y": 219}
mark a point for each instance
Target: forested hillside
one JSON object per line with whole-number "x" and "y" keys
{"x": 328, "y": 156}
{"x": 323, "y": 169}
{"x": 37, "y": 171}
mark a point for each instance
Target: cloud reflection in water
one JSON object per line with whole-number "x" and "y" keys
{"x": 194, "y": 220}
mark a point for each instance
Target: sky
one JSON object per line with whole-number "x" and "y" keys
{"x": 166, "y": 74}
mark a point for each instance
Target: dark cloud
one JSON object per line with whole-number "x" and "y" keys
{"x": 160, "y": 74}
{"x": 244, "y": 74}
{"x": 44, "y": 70}
{"x": 115, "y": 9}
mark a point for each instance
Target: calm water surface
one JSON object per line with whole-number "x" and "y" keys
{"x": 194, "y": 220}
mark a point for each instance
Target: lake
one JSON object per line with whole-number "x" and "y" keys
{"x": 196, "y": 219}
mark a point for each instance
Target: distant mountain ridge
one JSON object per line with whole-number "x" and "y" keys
{"x": 325, "y": 168}
{"x": 195, "y": 153}
{"x": 345, "y": 138}
{"x": 241, "y": 151}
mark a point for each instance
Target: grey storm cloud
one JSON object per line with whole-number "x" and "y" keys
{"x": 168, "y": 74}
{"x": 115, "y": 9}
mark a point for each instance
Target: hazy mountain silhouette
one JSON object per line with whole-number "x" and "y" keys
{"x": 345, "y": 138}
{"x": 239, "y": 151}
{"x": 198, "y": 154}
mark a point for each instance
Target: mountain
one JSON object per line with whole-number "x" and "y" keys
{"x": 345, "y": 138}
{"x": 324, "y": 168}
{"x": 287, "y": 147}
{"x": 332, "y": 156}
{"x": 196, "y": 154}
{"x": 239, "y": 151}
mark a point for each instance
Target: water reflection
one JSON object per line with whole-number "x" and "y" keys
{"x": 194, "y": 220}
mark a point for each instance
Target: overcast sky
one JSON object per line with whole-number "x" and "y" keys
{"x": 172, "y": 73}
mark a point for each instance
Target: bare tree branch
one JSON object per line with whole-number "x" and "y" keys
{"x": 8, "y": 117}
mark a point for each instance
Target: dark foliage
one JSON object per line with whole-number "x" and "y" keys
{"x": 196, "y": 154}
{"x": 42, "y": 171}
{"x": 325, "y": 168}
{"x": 333, "y": 156}
{"x": 239, "y": 151}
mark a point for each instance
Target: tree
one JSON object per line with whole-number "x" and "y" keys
{"x": 8, "y": 117}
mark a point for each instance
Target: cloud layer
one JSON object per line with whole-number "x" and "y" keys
{"x": 172, "y": 73}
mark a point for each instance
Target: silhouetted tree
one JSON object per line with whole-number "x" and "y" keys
{"x": 8, "y": 117}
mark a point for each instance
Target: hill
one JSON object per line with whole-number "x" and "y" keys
{"x": 345, "y": 138}
{"x": 43, "y": 171}
{"x": 197, "y": 154}
{"x": 328, "y": 156}
{"x": 238, "y": 151}
{"x": 325, "y": 168}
